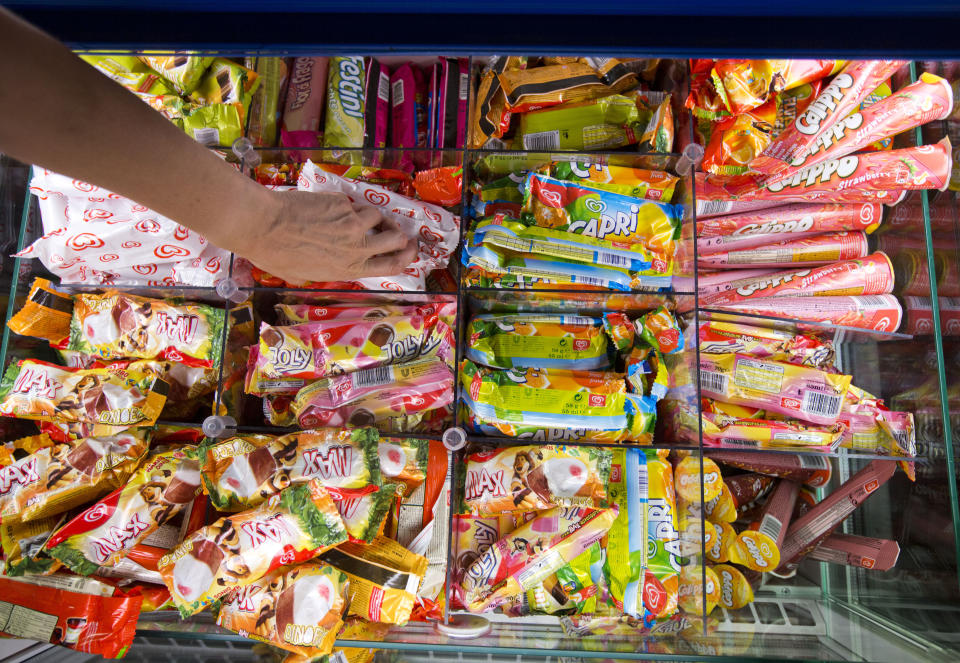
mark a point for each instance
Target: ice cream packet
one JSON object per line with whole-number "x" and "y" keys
{"x": 542, "y": 87}
{"x": 535, "y": 478}
{"x": 243, "y": 471}
{"x": 403, "y": 462}
{"x": 538, "y": 341}
{"x": 635, "y": 182}
{"x": 266, "y": 103}
{"x": 183, "y": 70}
{"x": 299, "y": 609}
{"x": 656, "y": 112}
{"x": 105, "y": 532}
{"x": 22, "y": 545}
{"x": 234, "y": 552}
{"x": 346, "y": 102}
{"x": 46, "y": 314}
{"x": 226, "y": 82}
{"x": 304, "y": 103}
{"x": 722, "y": 430}
{"x": 130, "y": 72}
{"x": 117, "y": 326}
{"x": 600, "y": 124}
{"x": 57, "y": 478}
{"x": 94, "y": 402}
{"x": 365, "y": 516}
{"x": 805, "y": 349}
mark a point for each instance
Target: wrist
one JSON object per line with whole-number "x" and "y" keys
{"x": 254, "y": 212}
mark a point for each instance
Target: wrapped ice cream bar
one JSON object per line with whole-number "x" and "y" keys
{"x": 535, "y": 478}
{"x": 299, "y": 609}
{"x": 538, "y": 341}
{"x": 377, "y": 107}
{"x": 814, "y": 250}
{"x": 365, "y": 516}
{"x": 736, "y": 589}
{"x": 183, "y": 70}
{"x": 104, "y": 533}
{"x": 806, "y": 500}
{"x": 636, "y": 182}
{"x": 226, "y": 82}
{"x": 861, "y": 551}
{"x": 812, "y": 528}
{"x": 403, "y": 462}
{"x": 758, "y": 548}
{"x": 57, "y": 478}
{"x": 746, "y": 84}
{"x": 46, "y": 314}
{"x": 697, "y": 598}
{"x": 266, "y": 105}
{"x": 719, "y": 337}
{"x": 711, "y": 283}
{"x": 793, "y": 391}
{"x": 837, "y": 101}
{"x": 881, "y": 313}
{"x": 726, "y": 535}
{"x": 91, "y": 402}
{"x": 748, "y": 488}
{"x": 721, "y": 430}
{"x": 22, "y": 545}
{"x": 808, "y": 469}
{"x": 304, "y": 103}
{"x": 693, "y": 474}
{"x": 542, "y": 87}
{"x": 872, "y": 275}
{"x": 599, "y": 124}
{"x": 346, "y": 102}
{"x": 532, "y": 552}
{"x": 236, "y": 551}
{"x": 243, "y": 471}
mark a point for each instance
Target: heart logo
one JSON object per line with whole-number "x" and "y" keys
{"x": 96, "y": 213}
{"x": 170, "y": 251}
{"x": 96, "y": 513}
{"x": 551, "y": 198}
{"x": 429, "y": 235}
{"x": 138, "y": 208}
{"x": 114, "y": 196}
{"x": 148, "y": 226}
{"x": 130, "y": 244}
{"x": 145, "y": 270}
{"x": 181, "y": 233}
{"x": 109, "y": 257}
{"x": 96, "y": 200}
{"x": 376, "y": 197}
{"x": 433, "y": 216}
{"x": 84, "y": 241}
{"x": 390, "y": 285}
{"x": 86, "y": 187}
{"x": 213, "y": 265}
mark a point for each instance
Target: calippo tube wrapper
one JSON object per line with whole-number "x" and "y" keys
{"x": 720, "y": 430}
{"x": 346, "y": 102}
{"x": 808, "y": 531}
{"x": 872, "y": 312}
{"x": 793, "y": 391}
{"x": 118, "y": 326}
{"x": 695, "y": 597}
{"x": 364, "y": 517}
{"x": 532, "y": 552}
{"x": 726, "y": 534}
{"x": 538, "y": 341}
{"x": 298, "y": 609}
{"x": 815, "y": 250}
{"x": 690, "y": 478}
{"x": 104, "y": 534}
{"x": 46, "y": 314}
{"x": 758, "y": 548}
{"x": 719, "y": 337}
{"x": 872, "y": 275}
{"x": 234, "y": 552}
{"x": 808, "y": 469}
{"x": 90, "y": 402}
{"x": 734, "y": 141}
{"x": 746, "y": 84}
{"x": 594, "y": 405}
{"x": 57, "y": 478}
{"x": 241, "y": 472}
{"x": 541, "y": 87}
{"x": 709, "y": 283}
{"x": 735, "y": 588}
{"x": 748, "y": 229}
{"x": 863, "y": 551}
{"x": 86, "y": 622}
{"x": 839, "y": 99}
{"x": 535, "y": 478}
{"x": 636, "y": 182}
{"x": 304, "y": 103}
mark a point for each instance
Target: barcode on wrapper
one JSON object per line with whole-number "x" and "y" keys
{"x": 771, "y": 527}
{"x": 383, "y": 87}
{"x": 612, "y": 259}
{"x": 207, "y": 136}
{"x": 542, "y": 140}
{"x": 372, "y": 377}
{"x": 464, "y": 86}
{"x": 589, "y": 280}
{"x": 808, "y": 462}
{"x": 823, "y": 405}
{"x": 397, "y": 92}
{"x": 714, "y": 382}
{"x": 642, "y": 481}
{"x": 711, "y": 207}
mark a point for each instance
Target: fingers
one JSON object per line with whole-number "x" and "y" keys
{"x": 388, "y": 241}
{"x": 394, "y": 263}
{"x": 368, "y": 218}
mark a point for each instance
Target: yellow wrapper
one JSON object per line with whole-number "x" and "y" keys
{"x": 722, "y": 508}
{"x": 726, "y": 534}
{"x": 688, "y": 479}
{"x": 22, "y": 545}
{"x": 735, "y": 589}
{"x": 693, "y": 592}
{"x": 46, "y": 314}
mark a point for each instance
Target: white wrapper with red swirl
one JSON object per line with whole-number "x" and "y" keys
{"x": 436, "y": 230}
{"x": 94, "y": 236}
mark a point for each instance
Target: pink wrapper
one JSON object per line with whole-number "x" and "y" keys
{"x": 741, "y": 194}
{"x": 872, "y": 275}
{"x": 880, "y": 313}
{"x": 297, "y": 313}
{"x": 853, "y": 550}
{"x": 377, "y": 107}
{"x": 920, "y": 315}
{"x": 741, "y": 231}
{"x": 722, "y": 281}
{"x": 808, "y": 531}
{"x": 809, "y": 250}
{"x": 306, "y": 99}
{"x": 408, "y": 111}
{"x": 837, "y": 100}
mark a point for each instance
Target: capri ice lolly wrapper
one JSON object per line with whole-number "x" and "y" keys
{"x": 242, "y": 472}
{"x": 531, "y": 553}
{"x": 299, "y": 609}
{"x": 91, "y": 402}
{"x": 116, "y": 326}
{"x": 538, "y": 341}
{"x": 535, "y": 478}
{"x": 815, "y": 250}
{"x": 234, "y": 552}
{"x": 636, "y": 182}
{"x": 104, "y": 533}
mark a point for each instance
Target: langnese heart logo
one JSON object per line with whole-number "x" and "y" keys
{"x": 213, "y": 265}
{"x": 430, "y": 214}
{"x": 180, "y": 233}
{"x": 429, "y": 235}
{"x": 96, "y": 213}
{"x": 377, "y": 198}
{"x": 84, "y": 241}
{"x": 131, "y": 244}
{"x": 597, "y": 400}
{"x": 148, "y": 226}
{"x": 145, "y": 270}
{"x": 109, "y": 257}
{"x": 86, "y": 187}
{"x": 166, "y": 251}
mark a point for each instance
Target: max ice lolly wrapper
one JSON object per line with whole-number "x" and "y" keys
{"x": 403, "y": 461}
{"x": 346, "y": 102}
{"x": 237, "y": 550}
{"x": 811, "y": 470}
{"x": 813, "y": 527}
{"x": 815, "y": 250}
{"x": 531, "y": 553}
{"x": 365, "y": 516}
{"x": 299, "y": 609}
{"x": 872, "y": 312}
{"x": 104, "y": 533}
{"x": 862, "y": 551}
{"x": 538, "y": 341}
{"x": 837, "y": 100}
{"x": 91, "y": 402}
{"x": 758, "y": 548}
{"x": 243, "y": 471}
{"x": 535, "y": 478}
{"x": 57, "y": 478}
{"x": 116, "y": 326}
{"x": 636, "y": 182}
{"x": 46, "y": 314}
{"x": 304, "y": 102}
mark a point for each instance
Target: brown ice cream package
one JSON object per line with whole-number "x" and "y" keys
{"x": 809, "y": 469}
{"x": 46, "y": 314}
{"x": 472, "y": 536}
{"x": 758, "y": 547}
{"x": 293, "y": 526}
{"x": 105, "y": 532}
{"x": 57, "y": 478}
{"x": 862, "y": 551}
{"x": 297, "y": 608}
{"x": 241, "y": 472}
{"x": 535, "y": 478}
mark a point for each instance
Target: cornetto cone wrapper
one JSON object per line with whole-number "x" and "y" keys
{"x": 758, "y": 548}
{"x": 852, "y": 550}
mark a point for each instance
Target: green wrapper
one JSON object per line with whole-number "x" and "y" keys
{"x": 130, "y": 73}
{"x": 346, "y": 103}
{"x": 227, "y": 82}
{"x": 182, "y": 70}
{"x": 219, "y": 124}
{"x": 364, "y": 516}
{"x": 541, "y": 341}
{"x": 265, "y": 107}
{"x": 23, "y": 546}
{"x": 601, "y": 124}
{"x": 509, "y": 188}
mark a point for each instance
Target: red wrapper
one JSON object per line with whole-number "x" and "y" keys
{"x": 863, "y": 551}
{"x": 717, "y": 196}
{"x": 837, "y": 101}
{"x": 746, "y": 84}
{"x": 920, "y": 316}
{"x": 714, "y": 282}
{"x": 872, "y": 275}
{"x": 808, "y": 531}
{"x": 880, "y": 313}
{"x": 809, "y": 250}
{"x": 805, "y": 468}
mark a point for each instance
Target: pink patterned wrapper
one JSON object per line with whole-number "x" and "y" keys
{"x": 837, "y": 100}
{"x": 880, "y": 313}
{"x": 853, "y": 550}
{"x": 872, "y": 275}
{"x": 296, "y": 313}
{"x": 748, "y": 229}
{"x": 718, "y": 196}
{"x": 807, "y": 250}
{"x": 715, "y": 282}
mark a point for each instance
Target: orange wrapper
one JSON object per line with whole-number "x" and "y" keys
{"x": 441, "y": 186}
{"x": 746, "y": 84}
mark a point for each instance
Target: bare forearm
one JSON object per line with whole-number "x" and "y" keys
{"x": 58, "y": 112}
